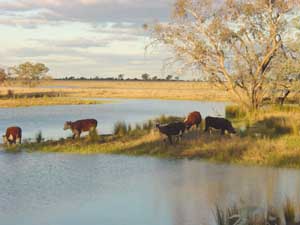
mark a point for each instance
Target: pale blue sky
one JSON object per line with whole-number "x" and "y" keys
{"x": 82, "y": 37}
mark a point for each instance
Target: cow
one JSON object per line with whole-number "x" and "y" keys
{"x": 172, "y": 129}
{"x": 13, "y": 135}
{"x": 194, "y": 118}
{"x": 80, "y": 126}
{"x": 219, "y": 124}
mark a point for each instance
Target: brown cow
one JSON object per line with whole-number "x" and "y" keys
{"x": 13, "y": 135}
{"x": 80, "y": 126}
{"x": 194, "y": 118}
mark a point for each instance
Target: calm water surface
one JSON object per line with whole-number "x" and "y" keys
{"x": 61, "y": 189}
{"x": 50, "y": 119}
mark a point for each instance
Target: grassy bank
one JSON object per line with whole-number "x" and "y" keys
{"x": 270, "y": 139}
{"x": 44, "y": 101}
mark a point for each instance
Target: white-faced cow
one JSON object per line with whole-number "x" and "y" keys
{"x": 13, "y": 135}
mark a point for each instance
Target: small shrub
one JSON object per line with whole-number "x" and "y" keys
{"x": 148, "y": 125}
{"x": 39, "y": 137}
{"x": 167, "y": 119}
{"x": 120, "y": 128}
{"x": 275, "y": 126}
{"x": 289, "y": 212}
{"x": 129, "y": 128}
{"x": 93, "y": 135}
{"x": 10, "y": 93}
{"x": 235, "y": 112}
{"x": 138, "y": 127}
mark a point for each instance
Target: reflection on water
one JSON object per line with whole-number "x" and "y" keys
{"x": 50, "y": 119}
{"x": 61, "y": 189}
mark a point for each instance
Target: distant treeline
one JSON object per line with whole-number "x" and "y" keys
{"x": 144, "y": 77}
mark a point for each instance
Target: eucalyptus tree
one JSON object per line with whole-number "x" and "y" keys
{"x": 242, "y": 46}
{"x": 30, "y": 73}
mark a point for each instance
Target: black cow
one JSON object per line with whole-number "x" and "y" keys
{"x": 172, "y": 129}
{"x": 219, "y": 124}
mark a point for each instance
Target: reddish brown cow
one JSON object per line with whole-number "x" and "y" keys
{"x": 13, "y": 135}
{"x": 194, "y": 118}
{"x": 80, "y": 126}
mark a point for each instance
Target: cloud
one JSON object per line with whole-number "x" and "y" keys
{"x": 81, "y": 37}
{"x": 89, "y": 11}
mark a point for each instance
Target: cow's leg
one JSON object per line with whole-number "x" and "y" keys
{"x": 10, "y": 142}
{"x": 170, "y": 139}
{"x": 206, "y": 128}
{"x": 18, "y": 141}
{"x": 181, "y": 135}
{"x": 222, "y": 131}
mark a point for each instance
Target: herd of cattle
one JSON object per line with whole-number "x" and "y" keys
{"x": 13, "y": 135}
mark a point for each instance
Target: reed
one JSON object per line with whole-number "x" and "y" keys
{"x": 270, "y": 215}
{"x": 39, "y": 137}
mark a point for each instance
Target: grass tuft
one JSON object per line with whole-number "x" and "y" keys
{"x": 39, "y": 137}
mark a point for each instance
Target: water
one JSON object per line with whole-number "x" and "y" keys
{"x": 62, "y": 189}
{"x": 50, "y": 119}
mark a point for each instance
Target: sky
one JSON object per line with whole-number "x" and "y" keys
{"x": 83, "y": 37}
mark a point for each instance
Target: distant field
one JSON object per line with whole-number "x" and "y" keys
{"x": 129, "y": 89}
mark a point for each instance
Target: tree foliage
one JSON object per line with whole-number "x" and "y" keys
{"x": 240, "y": 45}
{"x": 169, "y": 77}
{"x": 3, "y": 76}
{"x": 30, "y": 73}
{"x": 145, "y": 76}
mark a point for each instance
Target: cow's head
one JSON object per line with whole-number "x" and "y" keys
{"x": 157, "y": 125}
{"x": 231, "y": 130}
{"x": 67, "y": 125}
{"x": 187, "y": 124}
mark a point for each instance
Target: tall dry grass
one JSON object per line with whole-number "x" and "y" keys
{"x": 123, "y": 89}
{"x": 269, "y": 216}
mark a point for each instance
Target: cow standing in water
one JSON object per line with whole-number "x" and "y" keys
{"x": 80, "y": 126}
{"x": 13, "y": 135}
{"x": 219, "y": 124}
{"x": 194, "y": 118}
